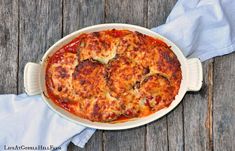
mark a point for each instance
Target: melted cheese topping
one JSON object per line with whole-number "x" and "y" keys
{"x": 89, "y": 79}
{"x": 98, "y": 46}
{"x": 113, "y": 76}
{"x": 122, "y": 75}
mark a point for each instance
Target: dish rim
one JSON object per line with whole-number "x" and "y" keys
{"x": 184, "y": 86}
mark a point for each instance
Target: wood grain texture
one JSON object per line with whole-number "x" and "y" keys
{"x": 8, "y": 46}
{"x": 40, "y": 27}
{"x": 81, "y": 13}
{"x": 175, "y": 129}
{"x": 158, "y": 10}
{"x": 166, "y": 133}
{"x": 131, "y": 12}
{"x": 123, "y": 11}
{"x": 125, "y": 140}
{"x": 76, "y": 15}
{"x": 156, "y": 137}
{"x": 224, "y": 103}
{"x": 197, "y": 114}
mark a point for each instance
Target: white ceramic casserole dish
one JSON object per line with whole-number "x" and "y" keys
{"x": 34, "y": 78}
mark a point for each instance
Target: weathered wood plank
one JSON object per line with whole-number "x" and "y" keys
{"x": 166, "y": 133}
{"x": 120, "y": 11}
{"x": 76, "y": 15}
{"x": 81, "y": 13}
{"x": 197, "y": 113}
{"x": 131, "y": 12}
{"x": 176, "y": 129}
{"x": 40, "y": 27}
{"x": 125, "y": 140}
{"x": 158, "y": 10}
{"x": 156, "y": 137}
{"x": 224, "y": 103}
{"x": 8, "y": 46}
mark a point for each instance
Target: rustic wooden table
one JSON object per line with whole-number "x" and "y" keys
{"x": 204, "y": 120}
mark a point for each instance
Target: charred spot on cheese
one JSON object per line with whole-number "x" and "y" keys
{"x": 62, "y": 72}
{"x": 136, "y": 85}
{"x": 146, "y": 70}
{"x": 113, "y": 76}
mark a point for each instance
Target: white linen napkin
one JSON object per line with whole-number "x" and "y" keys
{"x": 201, "y": 29}
{"x": 27, "y": 120}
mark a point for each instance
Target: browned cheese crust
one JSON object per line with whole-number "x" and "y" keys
{"x": 89, "y": 79}
{"x": 122, "y": 75}
{"x": 113, "y": 76}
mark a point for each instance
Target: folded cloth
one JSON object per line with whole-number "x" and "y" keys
{"x": 27, "y": 120}
{"x": 201, "y": 29}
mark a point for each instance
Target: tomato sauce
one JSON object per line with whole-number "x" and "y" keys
{"x": 73, "y": 47}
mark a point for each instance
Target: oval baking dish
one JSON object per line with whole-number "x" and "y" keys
{"x": 34, "y": 78}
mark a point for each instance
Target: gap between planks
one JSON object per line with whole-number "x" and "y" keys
{"x": 209, "y": 119}
{"x": 18, "y": 48}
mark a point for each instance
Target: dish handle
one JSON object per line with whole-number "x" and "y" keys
{"x": 32, "y": 78}
{"x": 195, "y": 75}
